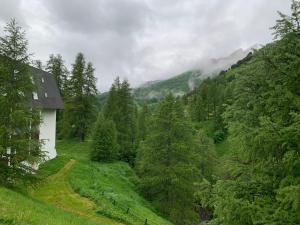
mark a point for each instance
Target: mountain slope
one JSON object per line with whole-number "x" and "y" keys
{"x": 178, "y": 85}
{"x": 181, "y": 84}
{"x": 185, "y": 82}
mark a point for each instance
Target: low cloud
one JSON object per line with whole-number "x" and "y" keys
{"x": 142, "y": 40}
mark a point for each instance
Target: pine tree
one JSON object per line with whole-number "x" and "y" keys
{"x": 111, "y": 109}
{"x": 167, "y": 164}
{"x": 80, "y": 101}
{"x": 120, "y": 108}
{"x": 55, "y": 66}
{"x": 104, "y": 141}
{"x": 90, "y": 88}
{"x": 18, "y": 121}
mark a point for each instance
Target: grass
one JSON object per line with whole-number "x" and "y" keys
{"x": 72, "y": 190}
{"x": 18, "y": 209}
{"x": 108, "y": 188}
{"x": 57, "y": 191}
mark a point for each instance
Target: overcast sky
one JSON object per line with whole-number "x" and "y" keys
{"x": 142, "y": 40}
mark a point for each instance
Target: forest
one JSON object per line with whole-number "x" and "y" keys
{"x": 226, "y": 153}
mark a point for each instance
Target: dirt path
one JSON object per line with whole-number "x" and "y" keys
{"x": 57, "y": 191}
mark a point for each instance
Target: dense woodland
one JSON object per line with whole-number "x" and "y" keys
{"x": 228, "y": 153}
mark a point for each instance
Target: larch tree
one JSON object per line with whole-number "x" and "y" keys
{"x": 79, "y": 107}
{"x": 167, "y": 162}
{"x": 55, "y": 65}
{"x": 120, "y": 108}
{"x": 18, "y": 120}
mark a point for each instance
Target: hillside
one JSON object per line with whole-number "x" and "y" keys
{"x": 152, "y": 91}
{"x": 178, "y": 85}
{"x": 19, "y": 209}
{"x": 78, "y": 191}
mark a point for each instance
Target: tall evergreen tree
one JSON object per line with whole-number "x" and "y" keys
{"x": 79, "y": 103}
{"x": 167, "y": 164}
{"x": 120, "y": 107}
{"x": 55, "y": 65}
{"x": 90, "y": 88}
{"x": 18, "y": 121}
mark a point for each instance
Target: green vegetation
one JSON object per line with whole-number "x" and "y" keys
{"x": 226, "y": 153}
{"x": 256, "y": 180}
{"x": 80, "y": 100}
{"x": 111, "y": 187}
{"x": 104, "y": 141}
{"x": 169, "y": 161}
{"x": 57, "y": 191}
{"x": 18, "y": 209}
{"x": 18, "y": 122}
{"x": 178, "y": 85}
{"x": 122, "y": 110}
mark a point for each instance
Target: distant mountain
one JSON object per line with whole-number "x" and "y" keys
{"x": 178, "y": 85}
{"x": 181, "y": 84}
{"x": 187, "y": 81}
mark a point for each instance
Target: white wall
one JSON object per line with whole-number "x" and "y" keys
{"x": 48, "y": 132}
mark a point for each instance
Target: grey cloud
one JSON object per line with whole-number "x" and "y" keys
{"x": 143, "y": 40}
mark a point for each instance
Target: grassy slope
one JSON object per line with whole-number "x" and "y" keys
{"x": 57, "y": 191}
{"x": 18, "y": 209}
{"x": 111, "y": 186}
{"x": 106, "y": 190}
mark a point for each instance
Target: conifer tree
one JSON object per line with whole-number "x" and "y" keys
{"x": 120, "y": 107}
{"x": 166, "y": 162}
{"x": 18, "y": 121}
{"x": 90, "y": 88}
{"x": 79, "y": 103}
{"x": 55, "y": 65}
{"x": 104, "y": 141}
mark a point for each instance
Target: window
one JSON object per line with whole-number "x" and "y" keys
{"x": 35, "y": 96}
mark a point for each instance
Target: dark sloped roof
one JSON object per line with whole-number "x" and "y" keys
{"x": 47, "y": 90}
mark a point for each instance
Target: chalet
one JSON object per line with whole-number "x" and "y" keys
{"x": 47, "y": 98}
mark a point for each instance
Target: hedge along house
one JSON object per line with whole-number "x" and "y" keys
{"x": 46, "y": 98}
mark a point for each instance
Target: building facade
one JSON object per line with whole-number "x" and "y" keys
{"x": 46, "y": 98}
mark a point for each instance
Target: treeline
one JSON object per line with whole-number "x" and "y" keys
{"x": 78, "y": 90}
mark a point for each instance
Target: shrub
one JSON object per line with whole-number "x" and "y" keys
{"x": 104, "y": 141}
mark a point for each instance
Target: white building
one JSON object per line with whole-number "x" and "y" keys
{"x": 47, "y": 98}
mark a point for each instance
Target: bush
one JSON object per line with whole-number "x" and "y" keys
{"x": 104, "y": 141}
